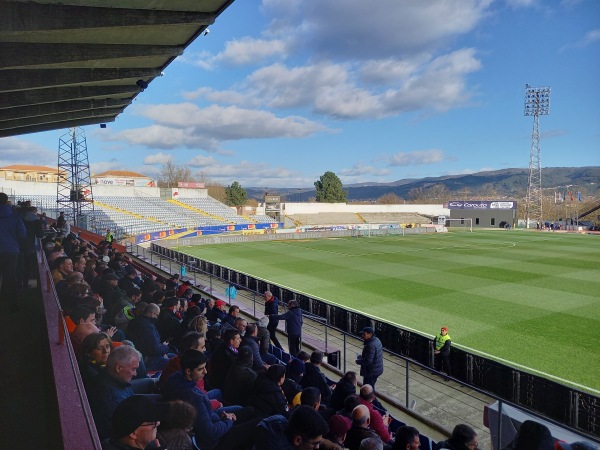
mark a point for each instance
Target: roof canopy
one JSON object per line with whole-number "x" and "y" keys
{"x": 66, "y": 63}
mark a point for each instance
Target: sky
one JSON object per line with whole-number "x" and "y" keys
{"x": 281, "y": 91}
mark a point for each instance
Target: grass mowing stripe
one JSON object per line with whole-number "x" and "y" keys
{"x": 507, "y": 294}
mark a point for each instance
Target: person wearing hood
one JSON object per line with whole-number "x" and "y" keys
{"x": 293, "y": 319}
{"x": 463, "y": 438}
{"x": 343, "y": 388}
{"x": 240, "y": 379}
{"x": 268, "y": 397}
{"x": 143, "y": 333}
{"x": 12, "y": 230}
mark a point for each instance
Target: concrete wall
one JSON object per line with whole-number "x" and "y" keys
{"x": 190, "y": 193}
{"x": 313, "y": 208}
{"x": 101, "y": 190}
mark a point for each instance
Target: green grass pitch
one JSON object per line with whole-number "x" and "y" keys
{"x": 525, "y": 298}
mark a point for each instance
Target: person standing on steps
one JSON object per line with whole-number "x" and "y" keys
{"x": 442, "y": 343}
{"x": 272, "y": 309}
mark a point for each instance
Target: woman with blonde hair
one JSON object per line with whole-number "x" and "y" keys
{"x": 199, "y": 324}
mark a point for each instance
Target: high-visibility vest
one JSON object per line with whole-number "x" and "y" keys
{"x": 440, "y": 341}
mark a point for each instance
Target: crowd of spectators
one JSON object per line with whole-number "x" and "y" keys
{"x": 153, "y": 337}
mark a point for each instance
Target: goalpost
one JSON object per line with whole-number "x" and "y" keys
{"x": 465, "y": 224}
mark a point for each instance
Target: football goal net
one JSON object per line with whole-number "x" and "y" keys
{"x": 460, "y": 224}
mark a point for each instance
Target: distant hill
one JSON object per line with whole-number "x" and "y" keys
{"x": 502, "y": 183}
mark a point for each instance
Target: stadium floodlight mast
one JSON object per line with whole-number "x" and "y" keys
{"x": 537, "y": 103}
{"x": 74, "y": 187}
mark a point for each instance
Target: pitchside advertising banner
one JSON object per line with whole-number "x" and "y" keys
{"x": 481, "y": 204}
{"x": 204, "y": 231}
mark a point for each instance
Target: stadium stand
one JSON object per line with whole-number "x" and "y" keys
{"x": 262, "y": 219}
{"x": 401, "y": 218}
{"x": 214, "y": 208}
{"x": 340, "y": 218}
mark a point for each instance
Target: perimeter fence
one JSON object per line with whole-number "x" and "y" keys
{"x": 336, "y": 332}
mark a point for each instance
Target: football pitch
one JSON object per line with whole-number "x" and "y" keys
{"x": 528, "y": 299}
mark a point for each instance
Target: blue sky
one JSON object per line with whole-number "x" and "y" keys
{"x": 281, "y": 91}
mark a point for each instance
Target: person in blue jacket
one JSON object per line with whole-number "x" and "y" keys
{"x": 271, "y": 309}
{"x": 12, "y": 230}
{"x": 213, "y": 429}
{"x": 371, "y": 360}
{"x": 293, "y": 319}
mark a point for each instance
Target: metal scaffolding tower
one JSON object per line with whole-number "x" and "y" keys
{"x": 537, "y": 103}
{"x": 74, "y": 192}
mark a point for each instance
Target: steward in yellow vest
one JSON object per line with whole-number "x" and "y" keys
{"x": 442, "y": 343}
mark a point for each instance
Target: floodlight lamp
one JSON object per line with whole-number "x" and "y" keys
{"x": 537, "y": 100}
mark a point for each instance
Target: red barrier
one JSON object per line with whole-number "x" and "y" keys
{"x": 77, "y": 425}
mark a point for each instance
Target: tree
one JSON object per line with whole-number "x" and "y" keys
{"x": 330, "y": 189}
{"x": 436, "y": 193}
{"x": 171, "y": 174}
{"x": 236, "y": 194}
{"x": 217, "y": 191}
{"x": 389, "y": 199}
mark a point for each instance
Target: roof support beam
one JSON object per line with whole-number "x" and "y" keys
{"x": 24, "y": 79}
{"x": 36, "y": 128}
{"x": 32, "y": 17}
{"x": 48, "y": 109}
{"x": 61, "y": 94}
{"x": 15, "y": 55}
{"x": 61, "y": 117}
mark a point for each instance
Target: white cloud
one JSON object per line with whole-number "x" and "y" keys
{"x": 417, "y": 157}
{"x": 355, "y": 29}
{"x": 112, "y": 164}
{"x": 360, "y": 170}
{"x": 250, "y": 51}
{"x": 202, "y": 161}
{"x": 549, "y": 134}
{"x": 240, "y": 52}
{"x": 391, "y": 70}
{"x": 522, "y": 3}
{"x": 21, "y": 151}
{"x": 158, "y": 158}
{"x": 248, "y": 173}
{"x": 226, "y": 96}
{"x": 590, "y": 38}
{"x": 187, "y": 125}
{"x": 335, "y": 90}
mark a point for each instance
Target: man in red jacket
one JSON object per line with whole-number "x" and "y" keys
{"x": 379, "y": 424}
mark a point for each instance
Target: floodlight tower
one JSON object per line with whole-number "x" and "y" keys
{"x": 74, "y": 190}
{"x": 537, "y": 103}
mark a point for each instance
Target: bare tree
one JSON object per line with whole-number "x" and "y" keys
{"x": 390, "y": 199}
{"x": 171, "y": 174}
